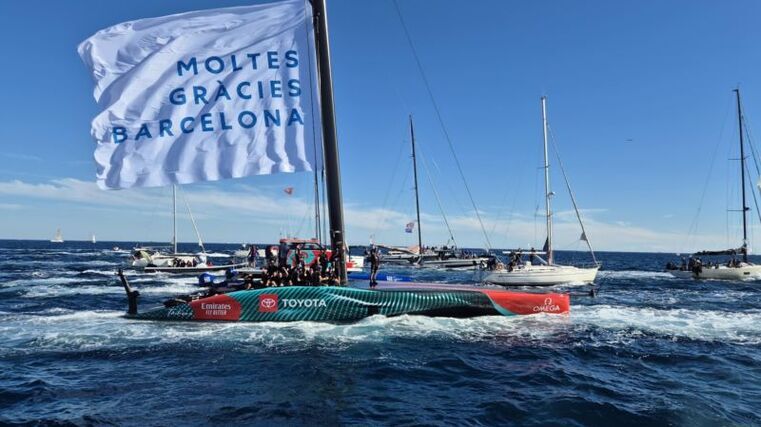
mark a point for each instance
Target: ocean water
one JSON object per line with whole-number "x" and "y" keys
{"x": 648, "y": 350}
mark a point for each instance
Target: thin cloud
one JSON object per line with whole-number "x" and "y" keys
{"x": 265, "y": 212}
{"x": 19, "y": 156}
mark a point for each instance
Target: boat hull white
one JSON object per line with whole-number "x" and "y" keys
{"x": 455, "y": 263}
{"x": 744, "y": 272}
{"x": 193, "y": 270}
{"x": 542, "y": 275}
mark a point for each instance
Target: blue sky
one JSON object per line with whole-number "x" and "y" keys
{"x": 639, "y": 101}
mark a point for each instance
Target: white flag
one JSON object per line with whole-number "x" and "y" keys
{"x": 206, "y": 95}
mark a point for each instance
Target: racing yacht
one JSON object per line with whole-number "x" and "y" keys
{"x": 335, "y": 303}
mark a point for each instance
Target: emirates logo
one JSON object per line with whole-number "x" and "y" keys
{"x": 268, "y": 303}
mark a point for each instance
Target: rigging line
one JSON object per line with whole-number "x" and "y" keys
{"x": 192, "y": 220}
{"x": 692, "y": 230}
{"x": 323, "y": 210}
{"x": 436, "y": 195}
{"x": 306, "y": 214}
{"x": 511, "y": 212}
{"x": 755, "y": 200}
{"x": 749, "y": 137}
{"x": 403, "y": 190}
{"x": 441, "y": 122}
{"x": 536, "y": 202}
{"x": 570, "y": 193}
{"x": 749, "y": 142}
{"x": 317, "y": 212}
{"x": 384, "y": 216}
{"x": 436, "y": 173}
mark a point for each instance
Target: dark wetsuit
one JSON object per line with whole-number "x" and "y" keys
{"x": 374, "y": 265}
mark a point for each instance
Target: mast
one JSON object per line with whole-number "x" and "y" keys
{"x": 547, "y": 192}
{"x": 742, "y": 178}
{"x": 417, "y": 195}
{"x": 174, "y": 218}
{"x": 329, "y": 136}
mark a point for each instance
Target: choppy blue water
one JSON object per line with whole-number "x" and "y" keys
{"x": 649, "y": 350}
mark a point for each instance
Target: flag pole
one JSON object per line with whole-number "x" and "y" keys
{"x": 329, "y": 136}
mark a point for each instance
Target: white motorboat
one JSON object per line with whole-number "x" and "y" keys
{"x": 734, "y": 269}
{"x": 544, "y": 273}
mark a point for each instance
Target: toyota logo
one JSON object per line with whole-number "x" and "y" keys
{"x": 268, "y": 302}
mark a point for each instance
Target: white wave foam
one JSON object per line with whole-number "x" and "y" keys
{"x": 634, "y": 274}
{"x": 87, "y": 330}
{"x": 110, "y": 273}
{"x": 60, "y": 329}
{"x": 704, "y": 325}
{"x": 105, "y": 288}
{"x": 43, "y": 281}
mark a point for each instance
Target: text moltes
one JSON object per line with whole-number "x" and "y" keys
{"x": 271, "y": 60}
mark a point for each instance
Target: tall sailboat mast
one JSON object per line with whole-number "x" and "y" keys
{"x": 417, "y": 195}
{"x": 742, "y": 178}
{"x": 547, "y": 191}
{"x": 329, "y": 136}
{"x": 174, "y": 219}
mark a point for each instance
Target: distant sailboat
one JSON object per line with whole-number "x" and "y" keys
{"x": 58, "y": 237}
{"x": 151, "y": 260}
{"x": 93, "y": 239}
{"x": 442, "y": 257}
{"x": 734, "y": 268}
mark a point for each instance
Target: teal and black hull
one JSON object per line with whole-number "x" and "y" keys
{"x": 344, "y": 304}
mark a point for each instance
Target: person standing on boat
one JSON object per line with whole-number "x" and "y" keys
{"x": 323, "y": 260}
{"x": 374, "y": 266}
{"x": 298, "y": 257}
{"x": 269, "y": 257}
{"x": 252, "y": 255}
{"x": 282, "y": 254}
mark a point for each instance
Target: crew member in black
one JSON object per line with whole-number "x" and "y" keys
{"x": 282, "y": 254}
{"x": 323, "y": 261}
{"x": 269, "y": 256}
{"x": 298, "y": 256}
{"x": 374, "y": 265}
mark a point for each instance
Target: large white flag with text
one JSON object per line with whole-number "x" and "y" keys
{"x": 206, "y": 95}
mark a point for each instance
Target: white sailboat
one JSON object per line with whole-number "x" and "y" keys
{"x": 734, "y": 269}
{"x": 58, "y": 237}
{"x": 544, "y": 273}
{"x": 92, "y": 239}
{"x": 154, "y": 261}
